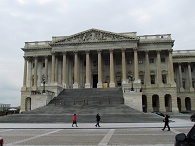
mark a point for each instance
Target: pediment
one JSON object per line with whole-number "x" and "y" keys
{"x": 93, "y": 36}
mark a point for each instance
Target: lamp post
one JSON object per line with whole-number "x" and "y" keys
{"x": 43, "y": 81}
{"x": 131, "y": 79}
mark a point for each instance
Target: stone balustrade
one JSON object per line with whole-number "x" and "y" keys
{"x": 39, "y": 44}
{"x": 152, "y": 37}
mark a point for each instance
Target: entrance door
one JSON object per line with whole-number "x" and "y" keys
{"x": 95, "y": 80}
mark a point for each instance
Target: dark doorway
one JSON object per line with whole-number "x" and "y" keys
{"x": 144, "y": 103}
{"x": 95, "y": 80}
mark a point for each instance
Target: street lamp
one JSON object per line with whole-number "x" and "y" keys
{"x": 43, "y": 81}
{"x": 131, "y": 79}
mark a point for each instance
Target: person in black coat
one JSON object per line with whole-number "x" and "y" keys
{"x": 166, "y": 120}
{"x": 98, "y": 120}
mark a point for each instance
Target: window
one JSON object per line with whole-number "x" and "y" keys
{"x": 118, "y": 62}
{"x": 151, "y": 60}
{"x": 140, "y": 60}
{"x": 152, "y": 79}
{"x": 43, "y": 64}
{"x": 184, "y": 85}
{"x": 182, "y": 69}
{"x": 95, "y": 63}
{"x": 163, "y": 59}
{"x": 84, "y": 63}
{"x": 191, "y": 69}
{"x": 164, "y": 78}
{"x": 107, "y": 62}
{"x": 129, "y": 61}
{"x": 33, "y": 65}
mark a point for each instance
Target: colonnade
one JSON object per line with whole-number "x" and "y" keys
{"x": 54, "y": 70}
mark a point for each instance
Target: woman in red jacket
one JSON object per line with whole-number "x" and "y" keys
{"x": 74, "y": 120}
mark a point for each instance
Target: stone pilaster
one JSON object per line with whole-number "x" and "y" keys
{"x": 171, "y": 71}
{"x": 112, "y": 83}
{"x": 183, "y": 106}
{"x": 162, "y": 104}
{"x": 56, "y": 70}
{"x": 75, "y": 85}
{"x": 160, "y": 84}
{"x": 53, "y": 67}
{"x": 149, "y": 104}
{"x": 46, "y": 68}
{"x": 190, "y": 77}
{"x": 25, "y": 73}
{"x": 64, "y": 68}
{"x": 124, "y": 79}
{"x": 147, "y": 73}
{"x": 136, "y": 75}
{"x": 174, "y": 102}
{"x": 87, "y": 83}
{"x": 99, "y": 84}
{"x": 35, "y": 73}
{"x": 180, "y": 78}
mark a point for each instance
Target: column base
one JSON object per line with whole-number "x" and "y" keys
{"x": 112, "y": 85}
{"x": 87, "y": 85}
{"x": 99, "y": 85}
{"x": 191, "y": 89}
{"x": 75, "y": 86}
{"x": 176, "y": 110}
{"x": 34, "y": 88}
{"x": 160, "y": 85}
{"x": 64, "y": 86}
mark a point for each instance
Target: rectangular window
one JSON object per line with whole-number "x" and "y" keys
{"x": 163, "y": 59}
{"x": 152, "y": 79}
{"x": 164, "y": 79}
{"x": 43, "y": 64}
{"x": 118, "y": 62}
{"x": 151, "y": 60}
{"x": 140, "y": 61}
{"x": 129, "y": 61}
{"x": 107, "y": 62}
{"x": 84, "y": 63}
{"x": 191, "y": 69}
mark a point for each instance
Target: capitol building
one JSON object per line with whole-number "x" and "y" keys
{"x": 151, "y": 75}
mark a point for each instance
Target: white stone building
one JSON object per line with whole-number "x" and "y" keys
{"x": 163, "y": 79}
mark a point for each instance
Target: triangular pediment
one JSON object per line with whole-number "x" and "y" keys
{"x": 93, "y": 36}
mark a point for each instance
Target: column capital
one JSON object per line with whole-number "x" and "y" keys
{"x": 146, "y": 51}
{"x": 189, "y": 63}
{"x": 53, "y": 52}
{"x": 111, "y": 50}
{"x": 75, "y": 51}
{"x": 170, "y": 50}
{"x": 87, "y": 51}
{"x": 135, "y": 49}
{"x": 123, "y": 49}
{"x": 158, "y": 51}
{"x": 99, "y": 50}
{"x": 64, "y": 52}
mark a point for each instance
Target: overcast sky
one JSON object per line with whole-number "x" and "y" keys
{"x": 38, "y": 20}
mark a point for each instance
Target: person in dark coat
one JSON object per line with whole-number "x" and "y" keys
{"x": 166, "y": 120}
{"x": 98, "y": 120}
{"x": 74, "y": 120}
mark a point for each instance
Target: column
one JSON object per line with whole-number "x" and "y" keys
{"x": 124, "y": 79}
{"x": 35, "y": 73}
{"x": 64, "y": 68}
{"x": 53, "y": 67}
{"x": 180, "y": 78}
{"x": 75, "y": 85}
{"x": 112, "y": 83}
{"x": 147, "y": 74}
{"x": 46, "y": 68}
{"x": 136, "y": 76}
{"x": 162, "y": 104}
{"x": 160, "y": 84}
{"x": 25, "y": 73}
{"x": 99, "y": 84}
{"x": 190, "y": 77}
{"x": 171, "y": 71}
{"x": 56, "y": 70}
{"x": 87, "y": 83}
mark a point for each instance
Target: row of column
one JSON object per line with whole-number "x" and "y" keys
{"x": 54, "y": 70}
{"x": 181, "y": 79}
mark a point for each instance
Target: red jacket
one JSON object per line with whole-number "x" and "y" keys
{"x": 74, "y": 118}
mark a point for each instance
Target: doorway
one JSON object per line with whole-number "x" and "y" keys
{"x": 95, "y": 80}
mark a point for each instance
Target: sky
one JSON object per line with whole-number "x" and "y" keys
{"x": 38, "y": 20}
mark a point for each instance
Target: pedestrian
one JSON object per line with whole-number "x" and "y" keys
{"x": 74, "y": 120}
{"x": 97, "y": 120}
{"x": 166, "y": 120}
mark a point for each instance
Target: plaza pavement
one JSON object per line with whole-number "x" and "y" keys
{"x": 109, "y": 134}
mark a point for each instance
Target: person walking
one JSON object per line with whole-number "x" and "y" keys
{"x": 97, "y": 120}
{"x": 166, "y": 120}
{"x": 74, "y": 120}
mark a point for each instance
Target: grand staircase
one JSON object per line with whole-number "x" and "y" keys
{"x": 86, "y": 103}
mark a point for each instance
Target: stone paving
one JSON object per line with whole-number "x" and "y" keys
{"x": 109, "y": 134}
